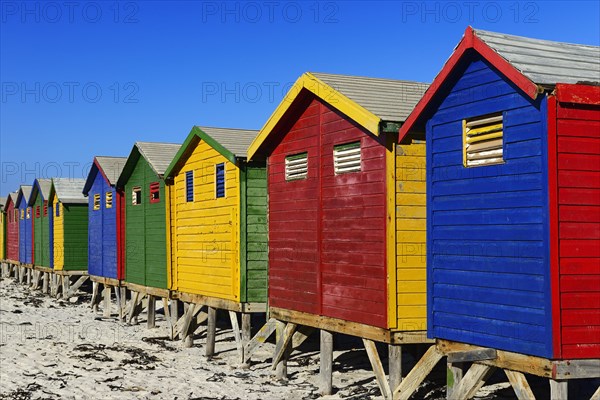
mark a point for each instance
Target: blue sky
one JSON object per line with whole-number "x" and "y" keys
{"x": 88, "y": 78}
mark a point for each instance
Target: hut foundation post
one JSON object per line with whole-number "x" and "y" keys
{"x": 283, "y": 349}
{"x": 377, "y": 366}
{"x": 118, "y": 301}
{"x": 237, "y": 334}
{"x": 94, "y": 302}
{"x": 454, "y": 375}
{"x": 174, "y": 311}
{"x": 151, "y": 312}
{"x": 559, "y": 390}
{"x": 28, "y": 276}
{"x": 210, "y": 331}
{"x": 4, "y": 270}
{"x": 395, "y": 365}
{"x": 519, "y": 383}
{"x": 107, "y": 306}
{"x": 123, "y": 303}
{"x": 165, "y": 302}
{"x": 66, "y": 283}
{"x": 45, "y": 283}
{"x": 246, "y": 335}
{"x": 326, "y": 363}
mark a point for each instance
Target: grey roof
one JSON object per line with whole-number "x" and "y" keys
{"x": 26, "y": 189}
{"x": 112, "y": 167}
{"x": 13, "y": 196}
{"x": 390, "y": 100}
{"x": 44, "y": 185}
{"x": 68, "y": 190}
{"x": 236, "y": 141}
{"x": 2, "y": 202}
{"x": 546, "y": 62}
{"x": 158, "y": 155}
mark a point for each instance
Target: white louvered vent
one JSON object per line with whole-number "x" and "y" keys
{"x": 483, "y": 141}
{"x": 346, "y": 158}
{"x": 296, "y": 167}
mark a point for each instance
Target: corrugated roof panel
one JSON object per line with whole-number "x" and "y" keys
{"x": 158, "y": 155}
{"x": 45, "y": 185}
{"x": 69, "y": 190}
{"x": 236, "y": 141}
{"x": 112, "y": 167}
{"x": 546, "y": 62}
{"x": 388, "y": 99}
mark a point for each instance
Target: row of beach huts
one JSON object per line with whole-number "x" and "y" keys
{"x": 462, "y": 215}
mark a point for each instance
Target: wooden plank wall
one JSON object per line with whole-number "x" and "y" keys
{"x": 205, "y": 233}
{"x": 487, "y": 244}
{"x": 25, "y": 236}
{"x": 411, "y": 226}
{"x": 257, "y": 254}
{"x": 578, "y": 162}
{"x": 75, "y": 248}
{"x": 59, "y": 238}
{"x": 12, "y": 233}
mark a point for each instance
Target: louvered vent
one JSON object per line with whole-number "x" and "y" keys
{"x": 189, "y": 186}
{"x": 296, "y": 166}
{"x": 483, "y": 141}
{"x": 346, "y": 158}
{"x": 220, "y": 180}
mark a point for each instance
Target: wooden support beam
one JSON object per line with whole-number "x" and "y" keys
{"x": 419, "y": 372}
{"x": 117, "y": 299}
{"x": 151, "y": 312}
{"x": 185, "y": 327}
{"x": 283, "y": 343}
{"x": 123, "y": 297}
{"x": 326, "y": 363}
{"x": 166, "y": 311}
{"x": 472, "y": 355}
{"x": 596, "y": 395}
{"x": 66, "y": 286}
{"x": 559, "y": 390}
{"x": 395, "y": 365}
{"x": 237, "y": 334}
{"x": 261, "y": 336}
{"x": 211, "y": 328}
{"x": 45, "y": 283}
{"x": 246, "y": 328}
{"x": 519, "y": 383}
{"x": 28, "y": 277}
{"x": 75, "y": 287}
{"x": 107, "y": 304}
{"x": 473, "y": 381}
{"x": 454, "y": 374}
{"x": 378, "y": 369}
{"x": 302, "y": 333}
{"x": 133, "y": 306}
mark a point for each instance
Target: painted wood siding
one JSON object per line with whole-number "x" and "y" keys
{"x": 327, "y": 232}
{"x": 205, "y": 233}
{"x": 257, "y": 254}
{"x": 2, "y": 235}
{"x": 41, "y": 234}
{"x": 294, "y": 277}
{"x": 578, "y": 162}
{"x": 488, "y": 256}
{"x": 145, "y": 231}
{"x": 102, "y": 230}
{"x": 25, "y": 234}
{"x": 75, "y": 237}
{"x": 12, "y": 233}
{"x": 59, "y": 236}
{"x": 411, "y": 226}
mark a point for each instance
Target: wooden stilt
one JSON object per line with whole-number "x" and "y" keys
{"x": 118, "y": 300}
{"x": 473, "y": 381}
{"x": 151, "y": 312}
{"x": 596, "y": 395}
{"x": 95, "y": 300}
{"x": 283, "y": 350}
{"x": 326, "y": 363}
{"x": 72, "y": 289}
{"x": 45, "y": 282}
{"x": 107, "y": 305}
{"x": 419, "y": 372}
{"x": 28, "y": 278}
{"x": 384, "y": 386}
{"x": 302, "y": 333}
{"x": 454, "y": 375}
{"x": 66, "y": 284}
{"x": 519, "y": 383}
{"x": 261, "y": 336}
{"x": 237, "y": 334}
{"x": 211, "y": 331}
{"x": 559, "y": 390}
{"x": 165, "y": 301}
{"x": 174, "y": 311}
{"x": 123, "y": 296}
{"x": 135, "y": 298}
{"x": 395, "y": 365}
